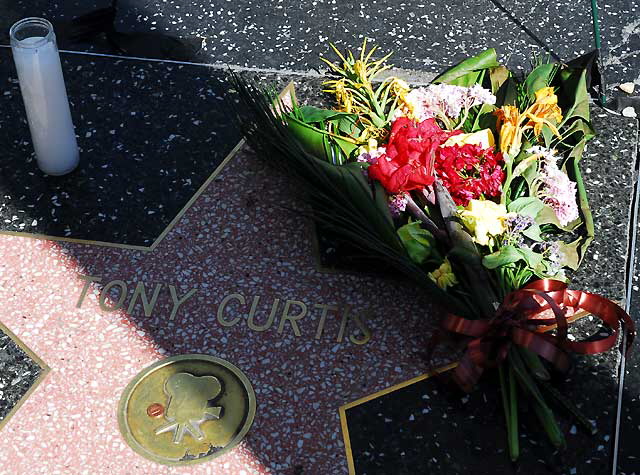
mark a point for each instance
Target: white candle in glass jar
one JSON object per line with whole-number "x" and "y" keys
{"x": 44, "y": 95}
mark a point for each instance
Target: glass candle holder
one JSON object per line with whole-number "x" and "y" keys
{"x": 35, "y": 54}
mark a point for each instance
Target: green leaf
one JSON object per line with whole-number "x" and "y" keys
{"x": 320, "y": 143}
{"x": 572, "y": 165}
{"x": 526, "y": 206}
{"x": 484, "y": 118}
{"x": 525, "y": 166}
{"x": 569, "y": 252}
{"x": 533, "y": 232}
{"x": 498, "y": 77}
{"x": 573, "y": 97}
{"x": 548, "y": 216}
{"x": 508, "y": 93}
{"x": 509, "y": 254}
{"x": 379, "y": 194}
{"x": 538, "y": 78}
{"x": 579, "y": 130}
{"x": 348, "y": 125}
{"x": 419, "y": 243}
{"x": 311, "y": 114}
{"x": 479, "y": 280}
{"x": 463, "y": 72}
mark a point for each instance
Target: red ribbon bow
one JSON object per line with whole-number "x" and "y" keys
{"x": 518, "y": 321}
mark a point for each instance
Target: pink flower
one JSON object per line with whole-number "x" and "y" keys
{"x": 397, "y": 204}
{"x": 371, "y": 156}
{"x": 556, "y": 189}
{"x": 559, "y": 192}
{"x": 427, "y": 102}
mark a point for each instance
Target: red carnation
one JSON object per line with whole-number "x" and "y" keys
{"x": 410, "y": 154}
{"x": 469, "y": 171}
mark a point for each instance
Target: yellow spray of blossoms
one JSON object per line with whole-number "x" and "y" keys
{"x": 443, "y": 276}
{"x": 356, "y": 94}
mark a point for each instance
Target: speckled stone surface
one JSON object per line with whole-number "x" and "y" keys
{"x": 431, "y": 427}
{"x": 17, "y": 373}
{"x": 629, "y": 459}
{"x": 608, "y": 172}
{"x": 150, "y": 134}
{"x": 425, "y": 36}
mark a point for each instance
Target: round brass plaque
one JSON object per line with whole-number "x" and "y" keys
{"x": 186, "y": 409}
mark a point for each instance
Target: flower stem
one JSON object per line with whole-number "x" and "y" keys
{"x": 514, "y": 447}
{"x": 464, "y": 118}
{"x": 512, "y": 429}
{"x": 415, "y": 210}
{"x": 507, "y": 182}
{"x": 532, "y": 360}
{"x": 568, "y": 405}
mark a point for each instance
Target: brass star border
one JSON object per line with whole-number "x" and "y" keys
{"x": 343, "y": 409}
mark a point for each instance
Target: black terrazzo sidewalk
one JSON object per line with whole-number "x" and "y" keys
{"x": 425, "y": 36}
{"x": 150, "y": 135}
{"x": 18, "y": 372}
{"x": 431, "y": 427}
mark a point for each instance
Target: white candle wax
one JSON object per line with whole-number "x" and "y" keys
{"x": 47, "y": 106}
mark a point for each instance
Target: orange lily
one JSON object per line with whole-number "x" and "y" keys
{"x": 512, "y": 124}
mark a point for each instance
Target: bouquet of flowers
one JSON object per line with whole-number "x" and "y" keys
{"x": 471, "y": 187}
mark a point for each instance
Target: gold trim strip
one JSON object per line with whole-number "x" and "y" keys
{"x": 193, "y": 199}
{"x": 343, "y": 409}
{"x": 45, "y": 237}
{"x": 162, "y": 235}
{"x": 45, "y": 370}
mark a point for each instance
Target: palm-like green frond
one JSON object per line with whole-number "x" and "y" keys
{"x": 340, "y": 198}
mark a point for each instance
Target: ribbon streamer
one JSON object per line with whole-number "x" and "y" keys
{"x": 519, "y": 320}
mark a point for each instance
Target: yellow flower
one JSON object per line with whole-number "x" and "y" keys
{"x": 399, "y": 87}
{"x": 370, "y": 147}
{"x": 483, "y": 138}
{"x": 484, "y": 219}
{"x": 545, "y": 108}
{"x": 344, "y": 97}
{"x": 512, "y": 124}
{"x": 443, "y": 276}
{"x": 509, "y": 120}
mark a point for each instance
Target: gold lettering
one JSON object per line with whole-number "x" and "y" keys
{"x": 364, "y": 329}
{"x": 105, "y": 293}
{"x": 177, "y": 302}
{"x": 252, "y": 313}
{"x": 141, "y": 292}
{"x": 87, "y": 282}
{"x": 292, "y": 318}
{"x": 223, "y": 304}
{"x": 323, "y": 317}
{"x": 343, "y": 324}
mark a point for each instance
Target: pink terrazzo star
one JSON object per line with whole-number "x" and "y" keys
{"x": 236, "y": 239}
